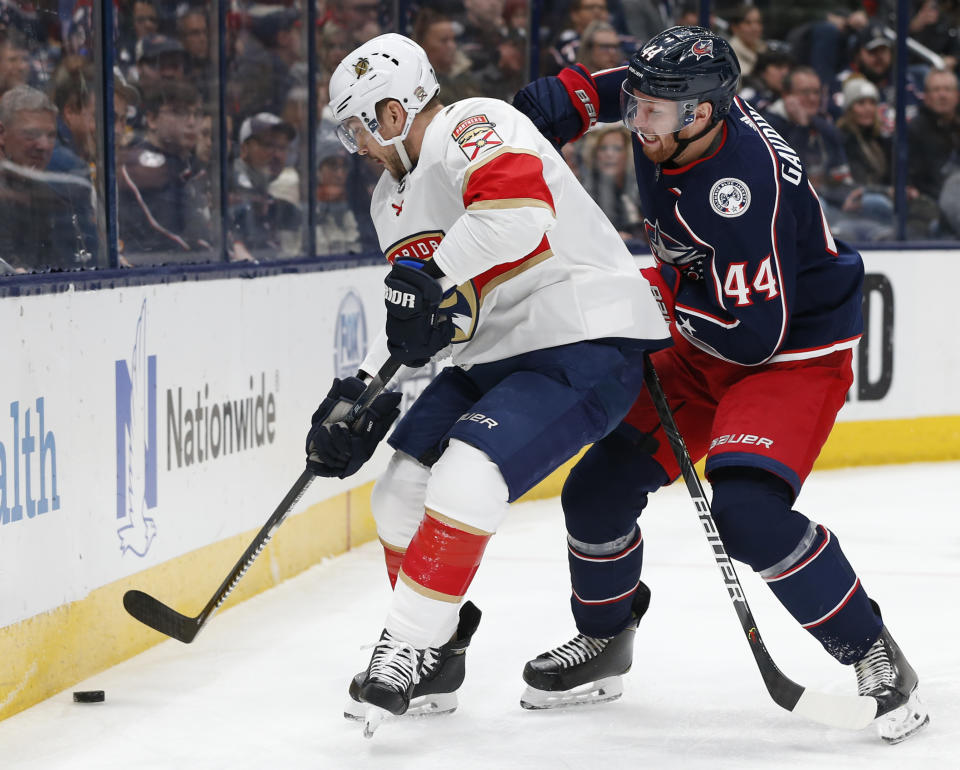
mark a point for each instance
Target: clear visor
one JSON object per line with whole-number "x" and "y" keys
{"x": 352, "y": 134}
{"x": 654, "y": 117}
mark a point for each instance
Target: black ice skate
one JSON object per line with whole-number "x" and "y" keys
{"x": 441, "y": 673}
{"x": 884, "y": 674}
{"x": 585, "y": 670}
{"x": 389, "y": 680}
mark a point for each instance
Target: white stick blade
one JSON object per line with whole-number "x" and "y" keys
{"x": 848, "y": 712}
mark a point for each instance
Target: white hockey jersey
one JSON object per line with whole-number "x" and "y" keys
{"x": 536, "y": 262}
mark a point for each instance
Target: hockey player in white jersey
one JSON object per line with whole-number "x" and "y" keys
{"x": 496, "y": 248}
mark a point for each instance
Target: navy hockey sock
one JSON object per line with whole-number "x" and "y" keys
{"x": 604, "y": 579}
{"x": 820, "y": 589}
{"x": 603, "y": 496}
{"x": 802, "y": 562}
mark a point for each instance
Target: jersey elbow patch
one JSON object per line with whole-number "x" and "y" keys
{"x": 507, "y": 179}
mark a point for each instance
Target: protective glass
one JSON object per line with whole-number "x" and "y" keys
{"x": 350, "y": 133}
{"x": 654, "y": 117}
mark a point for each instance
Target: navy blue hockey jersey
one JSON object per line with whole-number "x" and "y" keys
{"x": 774, "y": 284}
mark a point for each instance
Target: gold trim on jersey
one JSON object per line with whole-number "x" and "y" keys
{"x": 510, "y": 203}
{"x": 496, "y": 154}
{"x": 493, "y": 283}
{"x": 423, "y": 235}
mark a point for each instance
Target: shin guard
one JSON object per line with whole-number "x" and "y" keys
{"x": 604, "y": 579}
{"x": 820, "y": 589}
{"x": 436, "y": 571}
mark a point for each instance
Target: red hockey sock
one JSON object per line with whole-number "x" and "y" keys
{"x": 443, "y": 557}
{"x": 392, "y": 556}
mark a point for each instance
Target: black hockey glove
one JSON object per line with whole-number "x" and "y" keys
{"x": 335, "y": 449}
{"x": 416, "y": 329}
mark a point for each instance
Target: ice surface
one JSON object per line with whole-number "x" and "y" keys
{"x": 264, "y": 685}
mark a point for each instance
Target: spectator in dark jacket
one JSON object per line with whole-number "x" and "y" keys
{"x": 47, "y": 217}
{"x": 934, "y": 135}
{"x": 162, "y": 208}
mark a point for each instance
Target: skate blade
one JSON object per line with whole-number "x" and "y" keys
{"x": 423, "y": 706}
{"x": 904, "y": 722}
{"x": 601, "y": 691}
{"x": 372, "y": 719}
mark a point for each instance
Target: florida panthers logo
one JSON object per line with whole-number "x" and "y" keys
{"x": 361, "y": 67}
{"x": 461, "y": 306}
{"x": 729, "y": 197}
{"x": 699, "y": 49}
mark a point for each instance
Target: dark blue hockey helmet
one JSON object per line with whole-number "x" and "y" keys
{"x": 688, "y": 65}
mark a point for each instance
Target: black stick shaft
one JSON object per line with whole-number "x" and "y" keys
{"x": 785, "y": 692}
{"x": 168, "y": 621}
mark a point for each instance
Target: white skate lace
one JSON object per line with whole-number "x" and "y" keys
{"x": 430, "y": 657}
{"x": 394, "y": 663}
{"x": 874, "y": 670}
{"x": 578, "y": 650}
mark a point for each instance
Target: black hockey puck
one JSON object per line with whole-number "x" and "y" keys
{"x": 89, "y": 696}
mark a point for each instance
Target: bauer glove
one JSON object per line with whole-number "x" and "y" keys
{"x": 335, "y": 449}
{"x": 416, "y": 329}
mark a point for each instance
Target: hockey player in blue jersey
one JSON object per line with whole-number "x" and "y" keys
{"x": 765, "y": 308}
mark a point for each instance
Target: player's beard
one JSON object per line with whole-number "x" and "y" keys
{"x": 394, "y": 165}
{"x": 659, "y": 148}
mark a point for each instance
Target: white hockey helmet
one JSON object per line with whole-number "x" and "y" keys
{"x": 389, "y": 66}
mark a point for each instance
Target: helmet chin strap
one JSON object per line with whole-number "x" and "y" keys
{"x": 682, "y": 144}
{"x": 402, "y": 152}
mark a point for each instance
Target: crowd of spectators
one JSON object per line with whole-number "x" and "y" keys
{"x": 824, "y": 79}
{"x": 821, "y": 73}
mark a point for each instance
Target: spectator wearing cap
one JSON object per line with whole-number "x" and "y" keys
{"x": 48, "y": 219}
{"x": 14, "y": 60}
{"x": 260, "y": 222}
{"x": 261, "y": 75}
{"x": 870, "y": 155}
{"x": 765, "y": 84}
{"x": 162, "y": 208}
{"x": 160, "y": 57}
{"x": 798, "y": 117}
{"x": 873, "y": 59}
{"x": 934, "y": 138}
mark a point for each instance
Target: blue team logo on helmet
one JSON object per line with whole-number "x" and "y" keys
{"x": 699, "y": 49}
{"x": 686, "y": 63}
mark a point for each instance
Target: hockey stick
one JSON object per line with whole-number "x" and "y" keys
{"x": 160, "y": 617}
{"x": 852, "y": 712}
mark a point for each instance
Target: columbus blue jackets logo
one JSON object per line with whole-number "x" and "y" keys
{"x": 699, "y": 49}
{"x": 475, "y": 135}
{"x": 729, "y": 197}
{"x": 668, "y": 249}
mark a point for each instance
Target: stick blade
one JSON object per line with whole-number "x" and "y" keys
{"x": 847, "y": 712}
{"x": 160, "y": 617}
